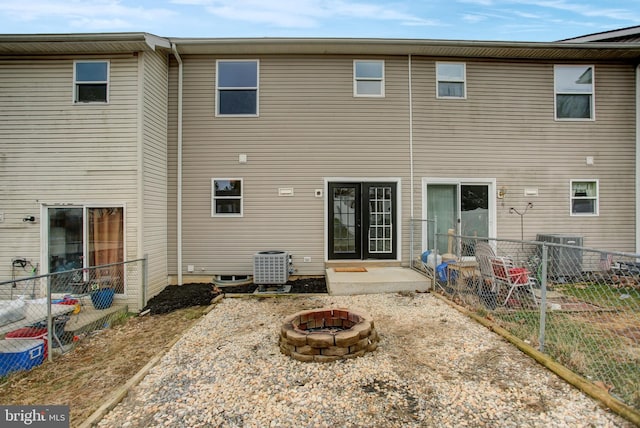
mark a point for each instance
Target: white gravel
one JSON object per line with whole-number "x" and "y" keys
{"x": 434, "y": 367}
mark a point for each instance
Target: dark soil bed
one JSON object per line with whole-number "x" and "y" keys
{"x": 175, "y": 297}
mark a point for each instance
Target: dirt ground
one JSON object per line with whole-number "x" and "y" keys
{"x": 105, "y": 360}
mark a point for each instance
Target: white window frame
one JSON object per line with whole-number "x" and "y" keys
{"x": 357, "y": 79}
{"x": 256, "y": 88}
{"x": 592, "y": 93}
{"x": 214, "y": 198}
{"x": 463, "y": 80}
{"x": 76, "y": 83}
{"x": 595, "y": 198}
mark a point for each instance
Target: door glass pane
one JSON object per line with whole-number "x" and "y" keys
{"x": 65, "y": 247}
{"x": 474, "y": 207}
{"x": 344, "y": 220}
{"x": 442, "y": 201}
{"x": 106, "y": 245}
{"x": 380, "y": 220}
{"x": 65, "y": 239}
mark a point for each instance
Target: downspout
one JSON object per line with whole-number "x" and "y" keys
{"x": 637, "y": 189}
{"x": 411, "y": 135}
{"x": 174, "y": 48}
{"x": 412, "y": 225}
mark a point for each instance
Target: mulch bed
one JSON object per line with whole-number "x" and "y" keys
{"x": 175, "y": 297}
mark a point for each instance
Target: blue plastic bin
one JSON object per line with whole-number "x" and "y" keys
{"x": 103, "y": 298}
{"x": 16, "y": 355}
{"x": 443, "y": 272}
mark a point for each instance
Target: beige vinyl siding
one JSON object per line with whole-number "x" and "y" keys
{"x": 506, "y": 130}
{"x": 154, "y": 134}
{"x": 55, "y": 152}
{"x": 310, "y": 127}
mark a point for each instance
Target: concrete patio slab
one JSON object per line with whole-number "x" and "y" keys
{"x": 375, "y": 280}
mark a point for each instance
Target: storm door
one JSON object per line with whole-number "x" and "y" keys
{"x": 362, "y": 221}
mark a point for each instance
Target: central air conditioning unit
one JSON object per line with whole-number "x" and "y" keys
{"x": 270, "y": 267}
{"x": 564, "y": 261}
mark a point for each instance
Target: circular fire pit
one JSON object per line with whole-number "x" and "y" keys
{"x": 327, "y": 334}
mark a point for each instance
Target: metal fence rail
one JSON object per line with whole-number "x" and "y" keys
{"x": 581, "y": 306}
{"x": 43, "y": 316}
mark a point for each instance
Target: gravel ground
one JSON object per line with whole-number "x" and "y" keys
{"x": 433, "y": 367}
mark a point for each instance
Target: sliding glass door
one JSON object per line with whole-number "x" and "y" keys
{"x": 83, "y": 237}
{"x": 463, "y": 207}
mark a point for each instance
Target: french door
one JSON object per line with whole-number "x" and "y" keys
{"x": 83, "y": 237}
{"x": 362, "y": 220}
{"x": 463, "y": 207}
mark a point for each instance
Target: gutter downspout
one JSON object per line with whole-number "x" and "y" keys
{"x": 411, "y": 134}
{"x": 412, "y": 225}
{"x": 174, "y": 48}
{"x": 637, "y": 189}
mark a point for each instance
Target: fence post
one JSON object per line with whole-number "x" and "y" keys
{"x": 49, "y": 322}
{"x": 543, "y": 297}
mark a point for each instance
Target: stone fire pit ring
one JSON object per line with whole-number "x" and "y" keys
{"x": 328, "y": 334}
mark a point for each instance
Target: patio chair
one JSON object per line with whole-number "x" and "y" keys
{"x": 484, "y": 254}
{"x": 512, "y": 277}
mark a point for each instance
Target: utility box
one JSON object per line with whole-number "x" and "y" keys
{"x": 271, "y": 267}
{"x": 563, "y": 261}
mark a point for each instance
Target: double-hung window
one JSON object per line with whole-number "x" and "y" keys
{"x": 574, "y": 92}
{"x": 451, "y": 78}
{"x": 237, "y": 87}
{"x": 90, "y": 81}
{"x": 368, "y": 78}
{"x": 584, "y": 197}
{"x": 226, "y": 197}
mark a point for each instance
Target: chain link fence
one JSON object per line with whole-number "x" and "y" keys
{"x": 578, "y": 305}
{"x": 44, "y": 316}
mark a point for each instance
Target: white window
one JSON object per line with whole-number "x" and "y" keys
{"x": 226, "y": 197}
{"x": 368, "y": 78}
{"x": 90, "y": 81}
{"x": 574, "y": 92}
{"x": 237, "y": 87}
{"x": 584, "y": 197}
{"x": 451, "y": 78}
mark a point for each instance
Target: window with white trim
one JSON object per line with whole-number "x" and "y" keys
{"x": 91, "y": 81}
{"x": 237, "y": 87}
{"x": 574, "y": 92}
{"x": 368, "y": 78}
{"x": 451, "y": 78}
{"x": 584, "y": 197}
{"x": 226, "y": 197}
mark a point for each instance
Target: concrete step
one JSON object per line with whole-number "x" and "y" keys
{"x": 375, "y": 280}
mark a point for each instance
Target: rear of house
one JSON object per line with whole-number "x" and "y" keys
{"x": 203, "y": 152}
{"x": 83, "y": 149}
{"x": 340, "y": 150}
